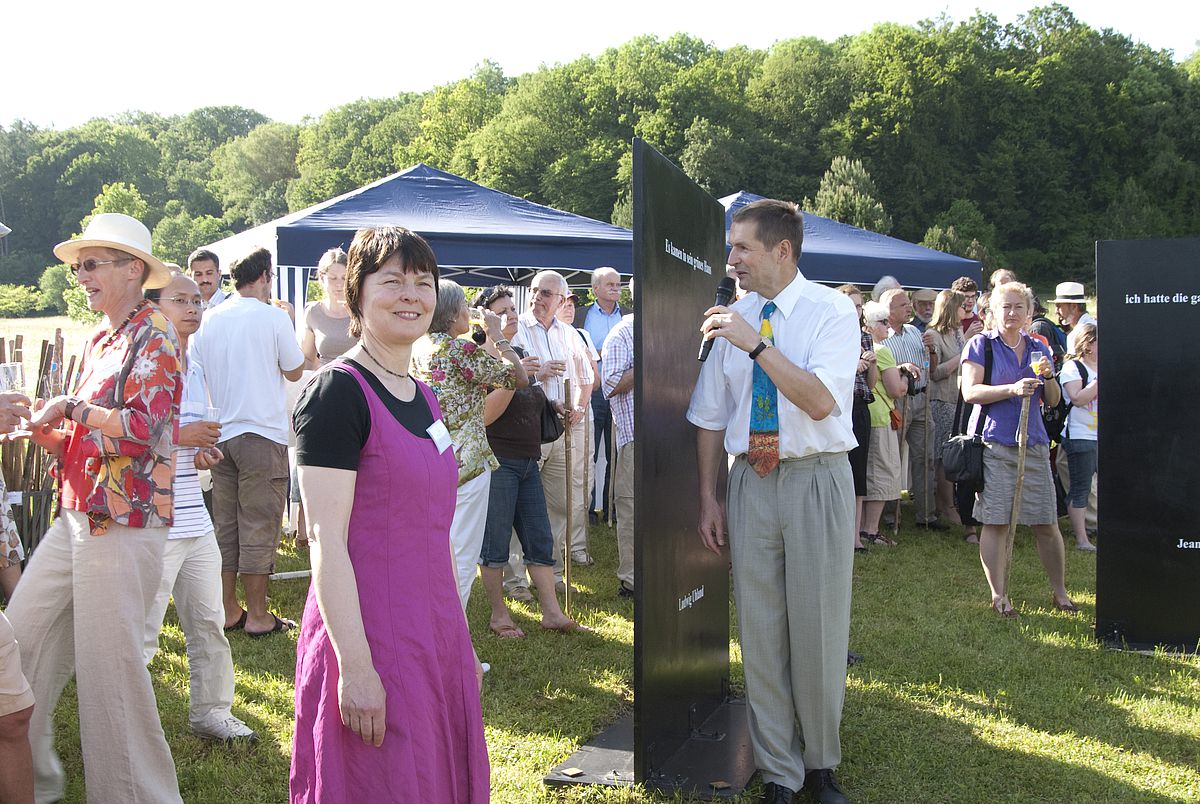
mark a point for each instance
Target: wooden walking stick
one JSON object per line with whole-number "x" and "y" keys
{"x": 566, "y": 557}
{"x": 1022, "y": 445}
{"x": 930, "y": 507}
{"x": 900, "y": 436}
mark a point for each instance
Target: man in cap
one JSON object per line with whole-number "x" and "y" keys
{"x": 922, "y": 301}
{"x": 246, "y": 348}
{"x": 82, "y": 603}
{"x": 1070, "y": 305}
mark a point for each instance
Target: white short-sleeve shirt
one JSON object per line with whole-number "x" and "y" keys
{"x": 816, "y": 329}
{"x": 243, "y": 347}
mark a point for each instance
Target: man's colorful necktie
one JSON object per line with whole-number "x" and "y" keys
{"x": 764, "y": 410}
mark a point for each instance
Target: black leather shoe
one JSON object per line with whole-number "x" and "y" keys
{"x": 623, "y": 590}
{"x": 823, "y": 788}
{"x": 777, "y": 794}
{"x": 933, "y": 524}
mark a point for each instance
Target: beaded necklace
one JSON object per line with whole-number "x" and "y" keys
{"x": 117, "y": 331}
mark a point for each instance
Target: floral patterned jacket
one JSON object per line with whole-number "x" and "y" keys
{"x": 461, "y": 373}
{"x": 121, "y": 469}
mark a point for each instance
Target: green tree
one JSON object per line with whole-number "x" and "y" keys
{"x": 848, "y": 194}
{"x": 118, "y": 197}
{"x": 177, "y": 235}
{"x": 451, "y": 113}
{"x": 53, "y": 285}
{"x": 251, "y": 174}
{"x": 18, "y": 301}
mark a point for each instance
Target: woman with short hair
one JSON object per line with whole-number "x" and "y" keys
{"x": 883, "y": 456}
{"x": 82, "y": 604}
{"x": 866, "y": 376}
{"x": 461, "y": 372}
{"x": 387, "y": 685}
{"x": 1021, "y": 367}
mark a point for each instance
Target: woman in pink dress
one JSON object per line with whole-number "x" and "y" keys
{"x": 387, "y": 686}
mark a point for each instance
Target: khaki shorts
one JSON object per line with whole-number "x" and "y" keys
{"x": 249, "y": 495}
{"x": 15, "y": 693}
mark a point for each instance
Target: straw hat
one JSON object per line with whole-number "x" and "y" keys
{"x": 120, "y": 232}
{"x": 924, "y": 294}
{"x": 1068, "y": 293}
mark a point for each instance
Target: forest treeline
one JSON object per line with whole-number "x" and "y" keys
{"x": 1031, "y": 140}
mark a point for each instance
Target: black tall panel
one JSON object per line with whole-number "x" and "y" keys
{"x": 1148, "y": 571}
{"x": 681, "y": 629}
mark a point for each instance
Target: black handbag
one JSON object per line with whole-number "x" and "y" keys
{"x": 962, "y": 455}
{"x": 552, "y": 425}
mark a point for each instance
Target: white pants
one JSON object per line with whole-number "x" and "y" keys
{"x": 466, "y": 531}
{"x": 81, "y": 608}
{"x": 192, "y": 575}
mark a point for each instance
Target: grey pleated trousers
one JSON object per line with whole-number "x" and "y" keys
{"x": 791, "y": 536}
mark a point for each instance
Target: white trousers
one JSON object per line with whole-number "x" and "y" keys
{"x": 466, "y": 531}
{"x": 81, "y": 608}
{"x": 192, "y": 575}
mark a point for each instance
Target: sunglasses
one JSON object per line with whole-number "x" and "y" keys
{"x": 91, "y": 264}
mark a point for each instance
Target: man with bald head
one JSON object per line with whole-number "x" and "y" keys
{"x": 599, "y": 319}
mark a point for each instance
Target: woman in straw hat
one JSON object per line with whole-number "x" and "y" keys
{"x": 82, "y": 603}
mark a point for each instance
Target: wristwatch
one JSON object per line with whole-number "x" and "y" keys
{"x": 758, "y": 350}
{"x": 69, "y": 410}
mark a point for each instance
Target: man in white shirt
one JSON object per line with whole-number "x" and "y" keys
{"x": 616, "y": 381}
{"x": 246, "y": 348}
{"x": 777, "y": 393}
{"x": 205, "y": 269}
{"x": 560, "y": 350}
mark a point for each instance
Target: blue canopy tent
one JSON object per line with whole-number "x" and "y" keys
{"x": 838, "y": 252}
{"x": 480, "y": 236}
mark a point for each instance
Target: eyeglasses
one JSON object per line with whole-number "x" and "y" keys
{"x": 547, "y": 294}
{"x": 197, "y": 303}
{"x": 968, "y": 305}
{"x": 91, "y": 264}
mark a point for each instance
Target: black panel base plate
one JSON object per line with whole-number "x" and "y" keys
{"x": 715, "y": 766}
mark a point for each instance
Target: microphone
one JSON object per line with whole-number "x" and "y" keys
{"x": 724, "y": 296}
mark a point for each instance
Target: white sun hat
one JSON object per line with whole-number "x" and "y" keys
{"x": 1068, "y": 293}
{"x": 123, "y": 233}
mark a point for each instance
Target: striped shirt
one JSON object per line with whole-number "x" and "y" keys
{"x": 909, "y": 347}
{"x": 618, "y": 358}
{"x": 191, "y": 517}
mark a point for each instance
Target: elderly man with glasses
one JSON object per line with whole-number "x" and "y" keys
{"x": 560, "y": 352}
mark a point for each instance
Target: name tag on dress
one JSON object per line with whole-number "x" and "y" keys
{"x": 440, "y": 435}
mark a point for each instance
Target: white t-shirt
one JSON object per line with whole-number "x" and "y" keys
{"x": 244, "y": 346}
{"x": 191, "y": 517}
{"x": 1082, "y": 420}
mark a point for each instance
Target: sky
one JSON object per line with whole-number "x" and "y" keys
{"x": 64, "y": 62}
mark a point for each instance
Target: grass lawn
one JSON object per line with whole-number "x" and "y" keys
{"x": 952, "y": 704}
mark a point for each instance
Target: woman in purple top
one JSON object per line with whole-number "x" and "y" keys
{"x": 387, "y": 686}
{"x": 1021, "y": 367}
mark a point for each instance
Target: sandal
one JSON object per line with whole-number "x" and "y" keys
{"x": 508, "y": 631}
{"x": 1068, "y": 607}
{"x": 1007, "y": 613}
{"x": 240, "y": 624}
{"x": 878, "y": 539}
{"x": 280, "y": 626}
